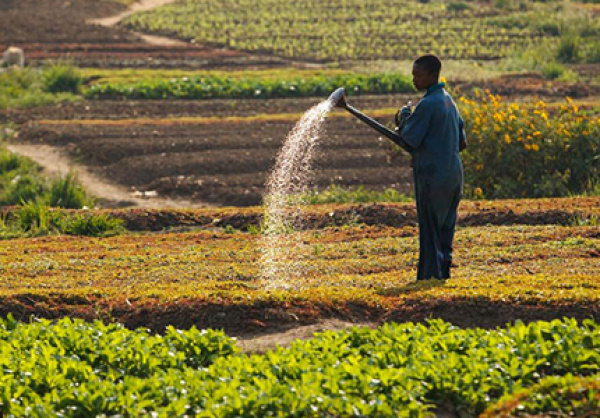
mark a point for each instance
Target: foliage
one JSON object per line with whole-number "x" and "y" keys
{"x": 23, "y": 88}
{"x": 349, "y": 30}
{"x": 21, "y": 182}
{"x": 72, "y": 368}
{"x": 93, "y": 225}
{"x": 216, "y": 86}
{"x": 338, "y": 194}
{"x": 34, "y": 218}
{"x": 66, "y": 192}
{"x": 516, "y": 151}
{"x": 560, "y": 396}
{"x": 62, "y": 77}
{"x": 20, "y": 188}
{"x": 76, "y": 369}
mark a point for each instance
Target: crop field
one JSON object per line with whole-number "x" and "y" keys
{"x": 360, "y": 265}
{"x": 355, "y": 29}
{"x": 109, "y": 310}
{"x": 360, "y": 270}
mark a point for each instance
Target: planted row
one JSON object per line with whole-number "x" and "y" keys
{"x": 76, "y": 369}
{"x": 220, "y": 86}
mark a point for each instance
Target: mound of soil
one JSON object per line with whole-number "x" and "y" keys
{"x": 391, "y": 215}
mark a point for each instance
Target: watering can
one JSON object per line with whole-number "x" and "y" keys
{"x": 338, "y": 98}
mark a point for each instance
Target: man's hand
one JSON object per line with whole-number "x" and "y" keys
{"x": 402, "y": 115}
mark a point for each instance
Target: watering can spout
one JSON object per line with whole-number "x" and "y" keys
{"x": 338, "y": 97}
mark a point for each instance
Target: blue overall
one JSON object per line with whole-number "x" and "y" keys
{"x": 434, "y": 130}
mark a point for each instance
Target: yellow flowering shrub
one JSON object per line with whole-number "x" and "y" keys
{"x": 528, "y": 150}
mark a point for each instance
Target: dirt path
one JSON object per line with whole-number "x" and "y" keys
{"x": 54, "y": 163}
{"x": 265, "y": 342}
{"x": 140, "y": 6}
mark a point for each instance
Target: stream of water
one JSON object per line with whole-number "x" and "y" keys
{"x": 284, "y": 257}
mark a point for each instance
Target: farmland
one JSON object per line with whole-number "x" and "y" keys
{"x": 125, "y": 306}
{"x": 322, "y": 30}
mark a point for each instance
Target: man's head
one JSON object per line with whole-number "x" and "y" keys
{"x": 426, "y": 71}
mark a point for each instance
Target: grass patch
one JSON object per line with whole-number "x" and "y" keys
{"x": 359, "y": 194}
{"x": 30, "y": 87}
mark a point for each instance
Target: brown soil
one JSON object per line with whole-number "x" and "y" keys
{"x": 195, "y": 161}
{"x": 127, "y": 109}
{"x": 52, "y": 29}
{"x": 265, "y": 320}
{"x": 555, "y": 211}
{"x": 55, "y": 163}
{"x": 517, "y": 86}
{"x": 58, "y": 21}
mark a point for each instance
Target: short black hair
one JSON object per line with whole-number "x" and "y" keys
{"x": 430, "y": 63}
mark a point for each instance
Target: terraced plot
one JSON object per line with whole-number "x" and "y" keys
{"x": 223, "y": 161}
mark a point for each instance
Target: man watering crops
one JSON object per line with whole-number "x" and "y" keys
{"x": 435, "y": 135}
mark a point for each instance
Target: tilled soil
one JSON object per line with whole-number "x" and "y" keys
{"x": 127, "y": 109}
{"x": 53, "y": 29}
{"x": 223, "y": 163}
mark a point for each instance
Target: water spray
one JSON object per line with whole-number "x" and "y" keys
{"x": 338, "y": 98}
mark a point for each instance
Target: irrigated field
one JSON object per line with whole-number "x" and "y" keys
{"x": 362, "y": 269}
{"x": 209, "y": 138}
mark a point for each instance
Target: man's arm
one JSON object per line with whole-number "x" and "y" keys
{"x": 462, "y": 136}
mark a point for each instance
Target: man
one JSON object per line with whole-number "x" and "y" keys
{"x": 435, "y": 134}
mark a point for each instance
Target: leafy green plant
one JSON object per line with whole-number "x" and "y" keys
{"x": 78, "y": 369}
{"x": 217, "y": 86}
{"x": 92, "y": 225}
{"x": 569, "y": 49}
{"x": 66, "y": 192}
{"x": 61, "y": 77}
{"x": 23, "y": 88}
{"x": 25, "y": 187}
{"x": 36, "y": 217}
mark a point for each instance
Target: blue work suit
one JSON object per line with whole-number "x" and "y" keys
{"x": 434, "y": 131}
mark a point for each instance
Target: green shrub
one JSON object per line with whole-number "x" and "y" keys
{"x": 66, "y": 192}
{"x": 553, "y": 70}
{"x": 93, "y": 225}
{"x": 61, "y": 77}
{"x": 519, "y": 151}
{"x": 22, "y": 188}
{"x": 569, "y": 49}
{"x": 23, "y": 88}
{"x": 35, "y": 217}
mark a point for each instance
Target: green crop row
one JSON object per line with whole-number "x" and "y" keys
{"x": 75, "y": 369}
{"x": 215, "y": 86}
